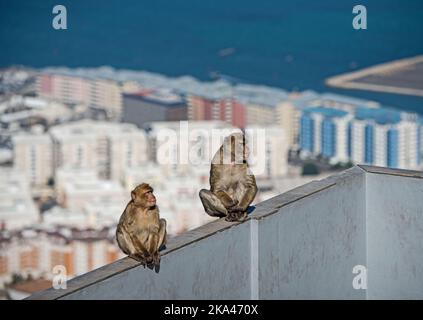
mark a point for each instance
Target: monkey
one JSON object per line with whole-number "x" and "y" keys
{"x": 140, "y": 232}
{"x": 232, "y": 185}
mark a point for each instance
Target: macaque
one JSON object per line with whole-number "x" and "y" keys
{"x": 232, "y": 184}
{"x": 140, "y": 232}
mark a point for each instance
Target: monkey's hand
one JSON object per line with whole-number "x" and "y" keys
{"x": 152, "y": 228}
{"x": 226, "y": 200}
{"x": 235, "y": 208}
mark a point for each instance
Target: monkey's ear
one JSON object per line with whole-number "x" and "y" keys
{"x": 133, "y": 195}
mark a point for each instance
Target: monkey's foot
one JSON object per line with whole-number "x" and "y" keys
{"x": 149, "y": 260}
{"x": 142, "y": 259}
{"x": 236, "y": 216}
{"x": 229, "y": 217}
{"x": 156, "y": 258}
{"x": 232, "y": 216}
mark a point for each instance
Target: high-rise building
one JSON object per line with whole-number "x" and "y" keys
{"x": 386, "y": 137}
{"x": 100, "y": 93}
{"x": 324, "y": 131}
{"x": 288, "y": 118}
{"x": 260, "y": 114}
{"x": 275, "y": 152}
{"x": 224, "y": 109}
{"x": 260, "y": 103}
{"x": 104, "y": 147}
{"x": 17, "y": 209}
{"x": 374, "y": 136}
{"x": 33, "y": 156}
{"x": 107, "y": 148}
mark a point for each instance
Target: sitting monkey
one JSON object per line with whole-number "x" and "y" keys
{"x": 232, "y": 184}
{"x": 140, "y": 232}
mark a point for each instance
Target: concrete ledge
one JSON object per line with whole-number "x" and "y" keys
{"x": 293, "y": 203}
{"x": 273, "y": 205}
{"x": 394, "y": 172}
{"x": 125, "y": 264}
{"x": 261, "y": 210}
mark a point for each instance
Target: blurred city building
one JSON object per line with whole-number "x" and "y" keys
{"x": 377, "y": 136}
{"x": 37, "y": 252}
{"x": 25, "y": 288}
{"x": 33, "y": 156}
{"x": 275, "y": 157}
{"x": 21, "y": 112}
{"x": 108, "y": 148}
{"x": 17, "y": 209}
{"x": 153, "y": 105}
{"x": 100, "y": 93}
{"x": 224, "y": 109}
{"x": 67, "y": 173}
{"x": 105, "y": 147}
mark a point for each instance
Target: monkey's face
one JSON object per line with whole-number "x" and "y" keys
{"x": 143, "y": 196}
{"x": 150, "y": 199}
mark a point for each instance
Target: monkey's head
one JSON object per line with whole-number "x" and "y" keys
{"x": 237, "y": 146}
{"x": 143, "y": 196}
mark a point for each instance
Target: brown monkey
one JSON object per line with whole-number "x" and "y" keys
{"x": 140, "y": 232}
{"x": 232, "y": 184}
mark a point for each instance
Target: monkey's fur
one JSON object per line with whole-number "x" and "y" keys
{"x": 140, "y": 232}
{"x": 232, "y": 184}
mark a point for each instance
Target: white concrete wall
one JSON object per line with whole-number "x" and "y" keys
{"x": 394, "y": 237}
{"x": 214, "y": 268}
{"x": 309, "y": 248}
{"x": 303, "y": 244}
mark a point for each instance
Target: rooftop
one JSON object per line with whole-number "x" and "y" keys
{"x": 327, "y": 112}
{"x": 328, "y": 96}
{"x": 163, "y": 97}
{"x": 380, "y": 116}
{"x": 66, "y": 233}
{"x": 31, "y": 286}
{"x": 185, "y": 85}
{"x": 384, "y": 115}
{"x": 91, "y": 127}
{"x": 302, "y": 244}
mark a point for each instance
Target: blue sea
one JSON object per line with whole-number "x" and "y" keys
{"x": 292, "y": 44}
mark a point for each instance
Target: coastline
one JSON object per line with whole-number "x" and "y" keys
{"x": 352, "y": 80}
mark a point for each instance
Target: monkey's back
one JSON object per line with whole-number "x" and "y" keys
{"x": 228, "y": 175}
